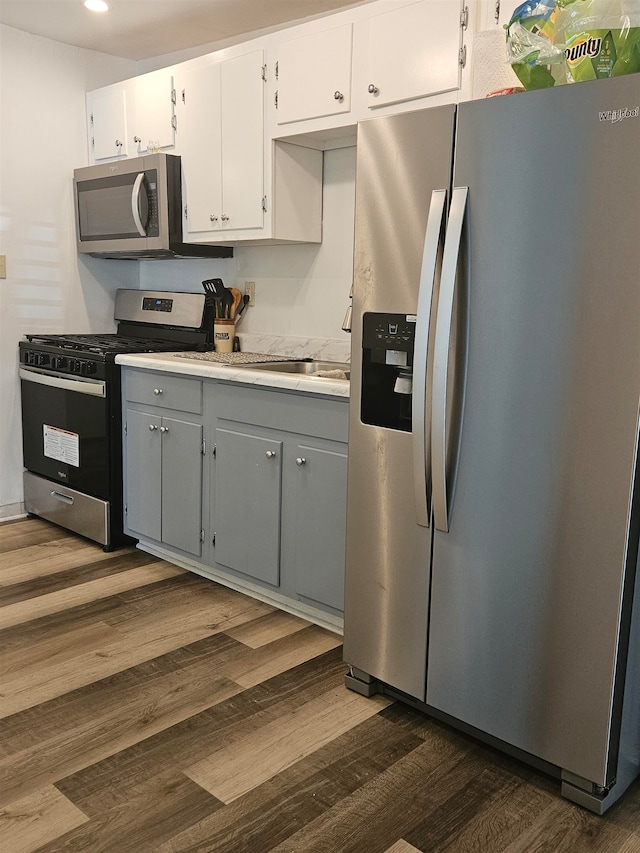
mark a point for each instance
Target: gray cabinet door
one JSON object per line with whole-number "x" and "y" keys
{"x": 182, "y": 485}
{"x": 320, "y": 521}
{"x": 248, "y": 486}
{"x": 143, "y": 474}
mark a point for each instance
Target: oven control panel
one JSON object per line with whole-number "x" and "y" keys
{"x": 61, "y": 363}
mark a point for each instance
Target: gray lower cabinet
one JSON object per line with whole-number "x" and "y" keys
{"x": 164, "y": 480}
{"x": 259, "y": 474}
{"x": 163, "y": 444}
{"x": 278, "y": 509}
{"x": 248, "y": 486}
{"x": 319, "y": 519}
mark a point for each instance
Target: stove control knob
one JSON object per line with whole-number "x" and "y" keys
{"x": 42, "y": 358}
{"x": 29, "y": 357}
{"x": 91, "y": 367}
{"x": 58, "y": 362}
{"x": 76, "y": 365}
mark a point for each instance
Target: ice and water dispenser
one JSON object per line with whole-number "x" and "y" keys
{"x": 387, "y": 369}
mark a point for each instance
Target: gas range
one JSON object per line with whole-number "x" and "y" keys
{"x": 87, "y": 355}
{"x": 71, "y": 407}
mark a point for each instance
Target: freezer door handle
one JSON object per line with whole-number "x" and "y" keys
{"x": 443, "y": 479}
{"x": 420, "y": 416}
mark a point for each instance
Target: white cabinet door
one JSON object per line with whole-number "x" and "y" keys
{"x": 314, "y": 75}
{"x": 107, "y": 110}
{"x": 153, "y": 127}
{"x": 221, "y": 142}
{"x": 242, "y": 101}
{"x": 198, "y": 96}
{"x": 414, "y": 51}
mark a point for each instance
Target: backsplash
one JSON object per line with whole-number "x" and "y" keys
{"x": 325, "y": 349}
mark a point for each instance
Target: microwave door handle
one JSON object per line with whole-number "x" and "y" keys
{"x": 135, "y": 204}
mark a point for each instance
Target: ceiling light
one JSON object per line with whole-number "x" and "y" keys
{"x": 96, "y": 5}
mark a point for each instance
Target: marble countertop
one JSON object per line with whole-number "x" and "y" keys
{"x": 177, "y": 363}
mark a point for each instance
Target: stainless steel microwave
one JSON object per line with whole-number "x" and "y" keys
{"x": 133, "y": 209}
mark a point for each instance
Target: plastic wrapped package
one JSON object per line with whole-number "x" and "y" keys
{"x": 531, "y": 47}
{"x": 601, "y": 38}
{"x": 566, "y": 41}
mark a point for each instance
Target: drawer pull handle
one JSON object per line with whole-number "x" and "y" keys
{"x": 157, "y": 391}
{"x": 300, "y": 461}
{"x": 164, "y": 429}
{"x": 66, "y": 499}
{"x": 152, "y": 427}
{"x": 270, "y": 454}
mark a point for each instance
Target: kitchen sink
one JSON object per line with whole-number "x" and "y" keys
{"x": 315, "y": 369}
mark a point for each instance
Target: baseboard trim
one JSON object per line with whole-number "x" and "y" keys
{"x": 11, "y": 512}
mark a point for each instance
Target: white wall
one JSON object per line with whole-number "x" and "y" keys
{"x": 47, "y": 289}
{"x": 302, "y": 289}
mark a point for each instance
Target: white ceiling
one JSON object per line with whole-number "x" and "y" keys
{"x": 141, "y": 29}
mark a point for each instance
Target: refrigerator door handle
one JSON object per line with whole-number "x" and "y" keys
{"x": 420, "y": 421}
{"x": 442, "y": 490}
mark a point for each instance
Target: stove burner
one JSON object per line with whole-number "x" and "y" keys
{"x": 103, "y": 344}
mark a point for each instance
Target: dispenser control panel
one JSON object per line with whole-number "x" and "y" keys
{"x": 387, "y": 360}
{"x": 388, "y": 331}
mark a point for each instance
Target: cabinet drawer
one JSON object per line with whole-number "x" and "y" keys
{"x": 164, "y": 390}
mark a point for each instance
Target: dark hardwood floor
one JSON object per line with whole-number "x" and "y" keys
{"x": 143, "y": 708}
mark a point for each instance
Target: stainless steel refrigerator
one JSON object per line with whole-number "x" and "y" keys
{"x": 493, "y": 506}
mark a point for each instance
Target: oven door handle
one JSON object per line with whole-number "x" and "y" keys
{"x": 96, "y": 388}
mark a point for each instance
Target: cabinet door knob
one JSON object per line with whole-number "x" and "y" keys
{"x": 152, "y": 427}
{"x": 224, "y": 217}
{"x": 157, "y": 391}
{"x": 338, "y": 96}
{"x": 118, "y": 143}
{"x": 300, "y": 461}
{"x": 270, "y": 454}
{"x": 213, "y": 218}
{"x": 164, "y": 429}
{"x": 372, "y": 90}
{"x": 137, "y": 139}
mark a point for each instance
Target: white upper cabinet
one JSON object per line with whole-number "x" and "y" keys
{"x": 221, "y": 141}
{"x": 414, "y": 51}
{"x": 132, "y": 118}
{"x": 200, "y": 145}
{"x": 154, "y": 104}
{"x": 314, "y": 75}
{"x": 107, "y": 120}
{"x": 242, "y": 101}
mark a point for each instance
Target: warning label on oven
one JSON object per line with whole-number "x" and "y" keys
{"x": 62, "y": 445}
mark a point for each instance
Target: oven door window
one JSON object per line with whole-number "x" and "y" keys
{"x": 64, "y": 435}
{"x": 118, "y": 207}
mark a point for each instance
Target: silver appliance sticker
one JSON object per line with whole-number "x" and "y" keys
{"x": 62, "y": 445}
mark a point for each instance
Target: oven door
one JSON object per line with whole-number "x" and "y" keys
{"x": 65, "y": 428}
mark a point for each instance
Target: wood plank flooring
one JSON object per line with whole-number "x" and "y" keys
{"x": 144, "y": 708}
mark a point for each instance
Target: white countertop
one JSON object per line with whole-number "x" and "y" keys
{"x": 175, "y": 363}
